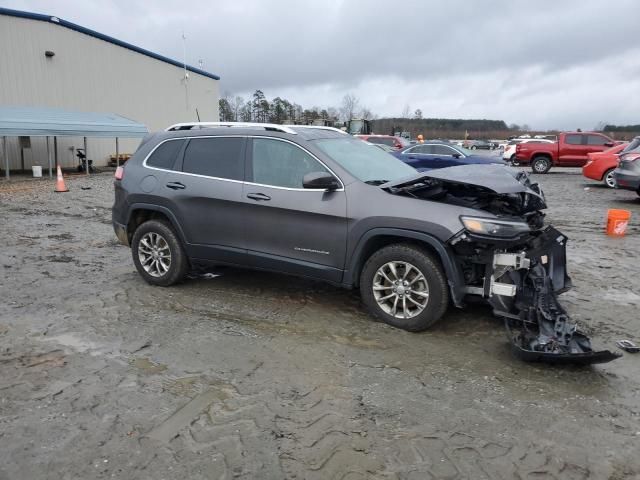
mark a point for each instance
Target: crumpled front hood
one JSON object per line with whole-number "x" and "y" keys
{"x": 495, "y": 188}
{"x": 497, "y": 178}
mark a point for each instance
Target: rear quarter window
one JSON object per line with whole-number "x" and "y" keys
{"x": 573, "y": 139}
{"x": 219, "y": 157}
{"x": 165, "y": 155}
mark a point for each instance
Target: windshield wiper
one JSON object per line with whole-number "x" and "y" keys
{"x": 376, "y": 182}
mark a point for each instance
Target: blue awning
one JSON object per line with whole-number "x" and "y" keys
{"x": 54, "y": 122}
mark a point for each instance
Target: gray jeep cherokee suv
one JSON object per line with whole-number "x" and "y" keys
{"x": 318, "y": 203}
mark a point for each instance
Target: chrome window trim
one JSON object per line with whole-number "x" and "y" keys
{"x": 248, "y": 137}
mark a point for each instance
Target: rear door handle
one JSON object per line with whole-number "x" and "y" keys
{"x": 176, "y": 185}
{"x": 258, "y": 196}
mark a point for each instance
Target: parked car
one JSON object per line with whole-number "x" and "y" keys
{"x": 318, "y": 203}
{"x": 479, "y": 144}
{"x": 627, "y": 175}
{"x": 430, "y": 155}
{"x": 600, "y": 165}
{"x": 509, "y": 152}
{"x": 396, "y": 142}
{"x": 570, "y": 151}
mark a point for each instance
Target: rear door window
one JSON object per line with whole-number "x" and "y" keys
{"x": 281, "y": 164}
{"x": 573, "y": 139}
{"x": 422, "y": 149}
{"x": 219, "y": 157}
{"x": 443, "y": 150}
{"x": 596, "y": 140}
{"x": 164, "y": 156}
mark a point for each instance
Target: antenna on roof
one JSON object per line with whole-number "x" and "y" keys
{"x": 185, "y": 77}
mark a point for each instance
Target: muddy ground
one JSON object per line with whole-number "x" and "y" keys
{"x": 260, "y": 376}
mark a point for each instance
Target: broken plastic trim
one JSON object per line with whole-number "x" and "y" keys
{"x": 538, "y": 327}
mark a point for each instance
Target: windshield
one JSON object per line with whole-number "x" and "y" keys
{"x": 633, "y": 145}
{"x": 364, "y": 161}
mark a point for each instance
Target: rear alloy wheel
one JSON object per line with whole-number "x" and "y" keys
{"x": 541, "y": 165}
{"x": 405, "y": 287}
{"x": 608, "y": 179}
{"x": 158, "y": 254}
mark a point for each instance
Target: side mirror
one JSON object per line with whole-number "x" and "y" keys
{"x": 608, "y": 144}
{"x": 320, "y": 180}
{"x": 456, "y": 155}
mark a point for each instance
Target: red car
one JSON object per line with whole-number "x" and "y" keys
{"x": 570, "y": 150}
{"x": 600, "y": 165}
{"x": 396, "y": 142}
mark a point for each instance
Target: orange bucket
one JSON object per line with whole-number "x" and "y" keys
{"x": 617, "y": 221}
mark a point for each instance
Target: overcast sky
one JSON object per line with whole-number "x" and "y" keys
{"x": 548, "y": 64}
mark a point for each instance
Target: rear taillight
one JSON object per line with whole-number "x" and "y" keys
{"x": 119, "y": 173}
{"x": 518, "y": 147}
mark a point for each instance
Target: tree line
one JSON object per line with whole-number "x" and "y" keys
{"x": 258, "y": 108}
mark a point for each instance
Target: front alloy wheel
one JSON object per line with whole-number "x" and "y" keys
{"x": 404, "y": 285}
{"x": 400, "y": 289}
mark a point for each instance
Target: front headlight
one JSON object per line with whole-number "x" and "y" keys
{"x": 493, "y": 227}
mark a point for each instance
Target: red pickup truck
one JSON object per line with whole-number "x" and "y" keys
{"x": 570, "y": 150}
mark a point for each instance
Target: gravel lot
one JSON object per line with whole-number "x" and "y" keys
{"x": 253, "y": 375}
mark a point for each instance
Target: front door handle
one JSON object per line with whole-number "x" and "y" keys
{"x": 176, "y": 185}
{"x": 258, "y": 196}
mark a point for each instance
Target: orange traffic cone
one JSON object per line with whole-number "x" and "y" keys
{"x": 60, "y": 186}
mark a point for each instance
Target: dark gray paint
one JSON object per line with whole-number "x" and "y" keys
{"x": 290, "y": 231}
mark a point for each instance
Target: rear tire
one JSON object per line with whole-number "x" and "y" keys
{"x": 158, "y": 254}
{"x": 540, "y": 165}
{"x": 608, "y": 179}
{"x": 417, "y": 292}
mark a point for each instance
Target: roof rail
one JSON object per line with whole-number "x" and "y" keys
{"x": 265, "y": 126}
{"x": 321, "y": 128}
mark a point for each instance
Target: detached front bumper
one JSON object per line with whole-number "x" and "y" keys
{"x": 522, "y": 284}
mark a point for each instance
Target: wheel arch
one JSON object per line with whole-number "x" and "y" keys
{"x": 141, "y": 212}
{"x": 377, "y": 238}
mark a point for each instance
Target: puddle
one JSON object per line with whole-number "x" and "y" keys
{"x": 147, "y": 366}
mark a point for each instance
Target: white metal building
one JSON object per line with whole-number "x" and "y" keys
{"x": 48, "y": 62}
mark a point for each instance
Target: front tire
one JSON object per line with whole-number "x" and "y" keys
{"x": 473, "y": 147}
{"x": 404, "y": 286}
{"x": 540, "y": 165}
{"x": 608, "y": 179}
{"x": 158, "y": 254}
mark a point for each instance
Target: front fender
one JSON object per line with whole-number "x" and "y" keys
{"x": 453, "y": 272}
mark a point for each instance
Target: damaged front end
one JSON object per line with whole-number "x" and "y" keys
{"x": 511, "y": 259}
{"x": 522, "y": 283}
